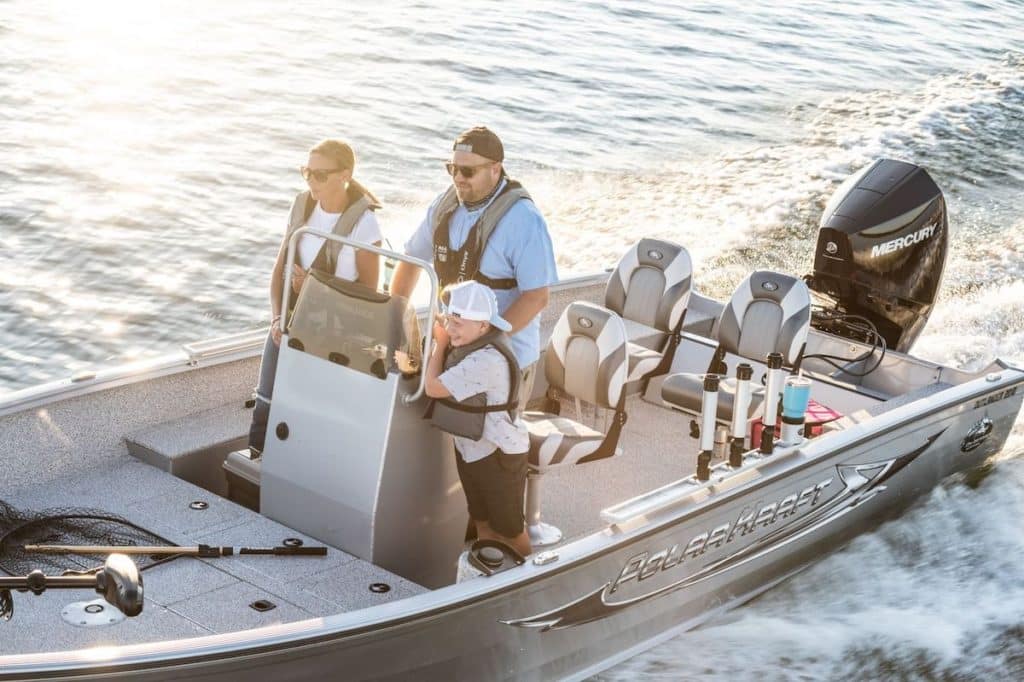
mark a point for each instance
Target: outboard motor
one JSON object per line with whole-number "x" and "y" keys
{"x": 881, "y": 251}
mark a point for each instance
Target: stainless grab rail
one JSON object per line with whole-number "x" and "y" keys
{"x": 198, "y": 351}
{"x": 422, "y": 264}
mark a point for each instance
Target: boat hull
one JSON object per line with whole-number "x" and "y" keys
{"x": 611, "y": 594}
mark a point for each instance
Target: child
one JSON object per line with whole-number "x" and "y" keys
{"x": 473, "y": 376}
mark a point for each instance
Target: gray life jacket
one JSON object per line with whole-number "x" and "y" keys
{"x": 466, "y": 418}
{"x": 453, "y": 266}
{"x": 359, "y": 202}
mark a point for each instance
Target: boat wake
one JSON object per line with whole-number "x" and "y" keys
{"x": 746, "y": 208}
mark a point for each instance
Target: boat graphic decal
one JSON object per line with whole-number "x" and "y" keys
{"x": 977, "y": 435}
{"x": 859, "y": 484}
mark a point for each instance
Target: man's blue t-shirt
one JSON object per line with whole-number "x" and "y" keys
{"x": 519, "y": 248}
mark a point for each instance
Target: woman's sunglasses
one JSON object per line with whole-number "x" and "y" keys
{"x": 465, "y": 171}
{"x": 318, "y": 175}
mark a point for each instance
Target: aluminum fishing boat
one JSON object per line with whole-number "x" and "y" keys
{"x": 666, "y": 483}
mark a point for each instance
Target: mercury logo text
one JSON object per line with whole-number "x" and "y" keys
{"x": 903, "y": 242}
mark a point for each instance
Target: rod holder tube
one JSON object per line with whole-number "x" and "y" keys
{"x": 773, "y": 388}
{"x": 708, "y": 411}
{"x": 736, "y": 450}
{"x": 722, "y": 439}
{"x": 792, "y": 432}
{"x": 740, "y": 413}
{"x": 708, "y": 415}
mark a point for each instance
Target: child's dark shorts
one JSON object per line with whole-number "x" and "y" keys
{"x": 494, "y": 488}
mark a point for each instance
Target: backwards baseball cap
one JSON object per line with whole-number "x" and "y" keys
{"x": 482, "y": 141}
{"x": 474, "y": 301}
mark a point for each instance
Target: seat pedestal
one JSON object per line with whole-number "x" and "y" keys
{"x": 541, "y": 534}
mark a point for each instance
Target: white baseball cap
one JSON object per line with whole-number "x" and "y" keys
{"x": 474, "y": 301}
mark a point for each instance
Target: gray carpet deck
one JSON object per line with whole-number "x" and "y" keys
{"x": 189, "y": 597}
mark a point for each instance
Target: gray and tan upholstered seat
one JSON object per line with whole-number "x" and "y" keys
{"x": 769, "y": 312}
{"x": 585, "y": 359}
{"x": 650, "y": 289}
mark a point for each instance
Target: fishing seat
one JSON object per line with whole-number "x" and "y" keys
{"x": 769, "y": 312}
{"x": 649, "y": 289}
{"x": 586, "y": 359}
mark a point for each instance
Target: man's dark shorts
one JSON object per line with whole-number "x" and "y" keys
{"x": 494, "y": 488}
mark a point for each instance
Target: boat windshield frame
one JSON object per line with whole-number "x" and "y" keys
{"x": 417, "y": 262}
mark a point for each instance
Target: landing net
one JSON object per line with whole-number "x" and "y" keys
{"x": 68, "y": 526}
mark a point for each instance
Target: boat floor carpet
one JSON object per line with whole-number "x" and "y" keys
{"x": 189, "y": 597}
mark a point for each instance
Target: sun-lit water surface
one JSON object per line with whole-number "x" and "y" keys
{"x": 148, "y": 155}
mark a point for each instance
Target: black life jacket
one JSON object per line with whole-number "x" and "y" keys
{"x": 453, "y": 266}
{"x": 466, "y": 418}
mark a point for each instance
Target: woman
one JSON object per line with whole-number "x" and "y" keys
{"x": 334, "y": 203}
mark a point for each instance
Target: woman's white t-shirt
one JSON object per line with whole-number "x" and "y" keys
{"x": 367, "y": 231}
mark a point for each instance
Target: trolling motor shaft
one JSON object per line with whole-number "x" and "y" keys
{"x": 203, "y": 551}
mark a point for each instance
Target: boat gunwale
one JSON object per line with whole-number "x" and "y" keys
{"x": 188, "y": 358}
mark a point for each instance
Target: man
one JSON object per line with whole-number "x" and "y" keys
{"x": 486, "y": 228}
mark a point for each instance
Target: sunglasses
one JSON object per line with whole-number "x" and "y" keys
{"x": 466, "y": 171}
{"x": 317, "y": 174}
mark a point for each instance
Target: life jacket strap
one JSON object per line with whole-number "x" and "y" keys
{"x": 463, "y": 264}
{"x": 479, "y": 409}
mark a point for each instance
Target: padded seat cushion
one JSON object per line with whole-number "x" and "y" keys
{"x": 557, "y": 440}
{"x": 686, "y": 391}
{"x": 651, "y": 285}
{"x": 641, "y": 361}
{"x": 642, "y": 335}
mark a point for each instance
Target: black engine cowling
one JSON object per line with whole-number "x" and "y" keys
{"x": 882, "y": 249}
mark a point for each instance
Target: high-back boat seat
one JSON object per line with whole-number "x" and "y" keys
{"x": 769, "y": 312}
{"x": 649, "y": 289}
{"x": 586, "y": 359}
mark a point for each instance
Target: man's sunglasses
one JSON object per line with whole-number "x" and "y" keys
{"x": 318, "y": 175}
{"x": 466, "y": 171}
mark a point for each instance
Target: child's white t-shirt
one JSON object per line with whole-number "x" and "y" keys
{"x": 486, "y": 371}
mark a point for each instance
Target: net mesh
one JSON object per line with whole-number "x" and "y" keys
{"x": 68, "y": 526}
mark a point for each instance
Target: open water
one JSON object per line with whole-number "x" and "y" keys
{"x": 148, "y": 155}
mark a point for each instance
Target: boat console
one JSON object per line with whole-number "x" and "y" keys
{"x": 348, "y": 458}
